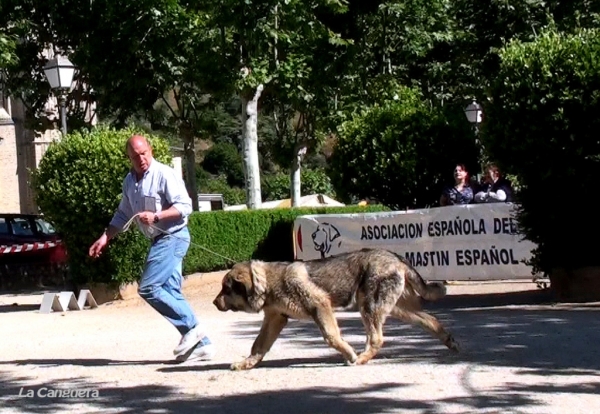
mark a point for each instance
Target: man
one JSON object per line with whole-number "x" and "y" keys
{"x": 159, "y": 197}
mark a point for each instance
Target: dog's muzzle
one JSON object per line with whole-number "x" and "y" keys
{"x": 220, "y": 304}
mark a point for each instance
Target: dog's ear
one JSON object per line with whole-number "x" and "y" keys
{"x": 259, "y": 277}
{"x": 256, "y": 294}
{"x": 333, "y": 233}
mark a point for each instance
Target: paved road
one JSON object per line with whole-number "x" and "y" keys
{"x": 520, "y": 354}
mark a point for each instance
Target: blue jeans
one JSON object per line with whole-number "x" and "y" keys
{"x": 160, "y": 285}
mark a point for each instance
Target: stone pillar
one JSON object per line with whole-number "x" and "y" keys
{"x": 10, "y": 200}
{"x": 177, "y": 166}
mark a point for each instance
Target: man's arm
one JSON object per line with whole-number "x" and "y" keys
{"x": 122, "y": 215}
{"x": 177, "y": 195}
{"x": 120, "y": 218}
{"x": 111, "y": 231}
{"x": 499, "y": 195}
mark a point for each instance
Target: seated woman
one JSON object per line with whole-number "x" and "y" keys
{"x": 495, "y": 188}
{"x": 461, "y": 192}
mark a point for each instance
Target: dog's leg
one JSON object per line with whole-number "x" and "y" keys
{"x": 325, "y": 319}
{"x": 373, "y": 323}
{"x": 428, "y": 322}
{"x": 271, "y": 327}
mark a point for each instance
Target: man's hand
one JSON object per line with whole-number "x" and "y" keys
{"x": 98, "y": 246}
{"x": 146, "y": 217}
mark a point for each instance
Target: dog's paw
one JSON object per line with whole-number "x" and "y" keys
{"x": 243, "y": 365}
{"x": 238, "y": 366}
{"x": 363, "y": 359}
{"x": 351, "y": 359}
{"x": 452, "y": 344}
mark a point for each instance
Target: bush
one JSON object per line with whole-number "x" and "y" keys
{"x": 542, "y": 125}
{"x": 78, "y": 188}
{"x": 248, "y": 234}
{"x": 277, "y": 186}
{"x": 218, "y": 185}
{"x": 225, "y": 159}
{"x": 403, "y": 152}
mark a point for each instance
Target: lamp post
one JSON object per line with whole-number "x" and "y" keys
{"x": 59, "y": 72}
{"x": 474, "y": 113}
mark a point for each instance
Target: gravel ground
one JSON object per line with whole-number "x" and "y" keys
{"x": 520, "y": 354}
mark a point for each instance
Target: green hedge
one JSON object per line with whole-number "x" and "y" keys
{"x": 248, "y": 234}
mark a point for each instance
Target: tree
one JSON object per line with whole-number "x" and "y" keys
{"x": 42, "y": 27}
{"x": 224, "y": 159}
{"x": 151, "y": 57}
{"x": 401, "y": 152}
{"x": 485, "y": 27}
{"x": 314, "y": 181}
{"x": 541, "y": 123}
{"x": 155, "y": 57}
{"x": 275, "y": 47}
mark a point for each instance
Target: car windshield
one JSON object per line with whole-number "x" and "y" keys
{"x": 44, "y": 227}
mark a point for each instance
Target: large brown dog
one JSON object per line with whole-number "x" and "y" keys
{"x": 381, "y": 282}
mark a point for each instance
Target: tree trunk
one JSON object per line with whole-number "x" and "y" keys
{"x": 190, "y": 163}
{"x": 250, "y": 149}
{"x": 296, "y": 184}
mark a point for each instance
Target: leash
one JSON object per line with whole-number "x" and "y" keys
{"x": 128, "y": 224}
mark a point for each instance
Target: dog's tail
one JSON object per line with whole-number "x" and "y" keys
{"x": 428, "y": 291}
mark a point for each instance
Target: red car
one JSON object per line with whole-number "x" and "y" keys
{"x": 30, "y": 249}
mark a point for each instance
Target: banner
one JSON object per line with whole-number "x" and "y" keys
{"x": 467, "y": 242}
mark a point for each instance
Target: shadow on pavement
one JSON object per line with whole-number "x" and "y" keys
{"x": 16, "y": 307}
{"x": 164, "y": 399}
{"x": 520, "y": 330}
{"x": 92, "y": 362}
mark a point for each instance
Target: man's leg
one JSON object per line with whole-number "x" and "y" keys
{"x": 195, "y": 344}
{"x": 160, "y": 286}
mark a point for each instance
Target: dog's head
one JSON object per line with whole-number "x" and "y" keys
{"x": 323, "y": 236}
{"x": 243, "y": 288}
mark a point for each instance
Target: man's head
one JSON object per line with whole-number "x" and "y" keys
{"x": 140, "y": 153}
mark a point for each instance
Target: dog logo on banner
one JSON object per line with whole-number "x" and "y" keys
{"x": 324, "y": 237}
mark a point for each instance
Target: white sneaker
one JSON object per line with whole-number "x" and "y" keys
{"x": 203, "y": 351}
{"x": 188, "y": 341}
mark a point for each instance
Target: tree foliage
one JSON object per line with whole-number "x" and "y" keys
{"x": 219, "y": 185}
{"x": 225, "y": 159}
{"x": 7, "y": 50}
{"x": 176, "y": 65}
{"x": 542, "y": 124}
{"x": 402, "y": 152}
{"x": 314, "y": 181}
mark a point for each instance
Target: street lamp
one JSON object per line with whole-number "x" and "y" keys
{"x": 474, "y": 113}
{"x": 59, "y": 72}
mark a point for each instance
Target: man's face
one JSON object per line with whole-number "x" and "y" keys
{"x": 140, "y": 154}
